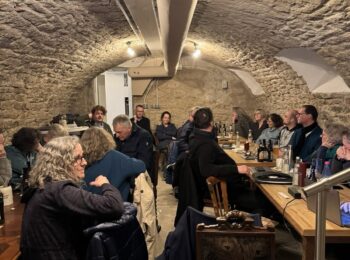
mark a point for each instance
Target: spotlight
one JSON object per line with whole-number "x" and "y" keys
{"x": 197, "y": 52}
{"x": 130, "y": 50}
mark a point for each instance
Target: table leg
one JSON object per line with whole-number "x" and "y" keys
{"x": 308, "y": 248}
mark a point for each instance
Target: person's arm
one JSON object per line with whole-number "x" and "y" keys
{"x": 130, "y": 166}
{"x": 109, "y": 204}
{"x": 206, "y": 164}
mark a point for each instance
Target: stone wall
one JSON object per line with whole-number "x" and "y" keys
{"x": 197, "y": 84}
{"x": 49, "y": 52}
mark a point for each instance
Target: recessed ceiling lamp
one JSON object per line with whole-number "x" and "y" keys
{"x": 130, "y": 50}
{"x": 197, "y": 52}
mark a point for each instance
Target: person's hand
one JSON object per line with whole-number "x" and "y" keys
{"x": 38, "y": 148}
{"x": 326, "y": 142}
{"x": 345, "y": 207}
{"x": 343, "y": 153}
{"x": 99, "y": 181}
{"x": 244, "y": 169}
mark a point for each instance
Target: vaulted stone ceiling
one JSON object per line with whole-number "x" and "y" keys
{"x": 50, "y": 50}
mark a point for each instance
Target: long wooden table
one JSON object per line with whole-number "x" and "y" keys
{"x": 303, "y": 220}
{"x": 251, "y": 163}
{"x": 10, "y": 232}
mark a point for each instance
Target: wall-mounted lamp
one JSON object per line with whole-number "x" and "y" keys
{"x": 197, "y": 52}
{"x": 130, "y": 50}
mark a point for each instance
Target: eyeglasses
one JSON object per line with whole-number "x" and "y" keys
{"x": 303, "y": 113}
{"x": 79, "y": 159}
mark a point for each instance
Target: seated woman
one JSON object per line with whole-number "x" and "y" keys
{"x": 56, "y": 206}
{"x": 260, "y": 123}
{"x": 275, "y": 122}
{"x": 100, "y": 153}
{"x": 5, "y": 165}
{"x": 331, "y": 140}
{"x": 22, "y": 153}
{"x": 342, "y": 159}
{"x": 166, "y": 131}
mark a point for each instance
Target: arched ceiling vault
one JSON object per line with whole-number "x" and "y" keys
{"x": 67, "y": 43}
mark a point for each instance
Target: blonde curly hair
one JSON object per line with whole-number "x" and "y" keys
{"x": 96, "y": 143}
{"x": 55, "y": 162}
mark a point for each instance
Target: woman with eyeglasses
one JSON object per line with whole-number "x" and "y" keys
{"x": 56, "y": 206}
{"x": 101, "y": 156}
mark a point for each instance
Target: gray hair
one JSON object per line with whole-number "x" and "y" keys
{"x": 122, "y": 120}
{"x": 55, "y": 162}
{"x": 335, "y": 132}
{"x": 56, "y": 130}
{"x": 261, "y": 112}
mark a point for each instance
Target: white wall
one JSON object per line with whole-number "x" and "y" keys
{"x": 112, "y": 88}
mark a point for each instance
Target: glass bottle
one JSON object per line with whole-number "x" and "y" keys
{"x": 238, "y": 142}
{"x": 250, "y": 137}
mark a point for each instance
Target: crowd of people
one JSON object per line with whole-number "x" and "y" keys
{"x": 73, "y": 180}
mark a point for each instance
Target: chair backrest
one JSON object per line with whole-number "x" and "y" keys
{"x": 218, "y": 194}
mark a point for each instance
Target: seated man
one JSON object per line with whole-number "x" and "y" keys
{"x": 209, "y": 159}
{"x": 134, "y": 141}
{"x": 97, "y": 115}
{"x": 306, "y": 139}
{"x": 241, "y": 122}
{"x": 290, "y": 125}
{"x": 341, "y": 161}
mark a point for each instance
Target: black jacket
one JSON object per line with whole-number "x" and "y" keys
{"x": 121, "y": 239}
{"x": 138, "y": 145}
{"x": 183, "y": 136}
{"x": 165, "y": 135}
{"x": 144, "y": 123}
{"x": 54, "y": 219}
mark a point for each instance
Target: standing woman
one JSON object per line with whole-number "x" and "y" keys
{"x": 166, "y": 131}
{"x": 56, "y": 206}
{"x": 101, "y": 156}
{"x": 260, "y": 123}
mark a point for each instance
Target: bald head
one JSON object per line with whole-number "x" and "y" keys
{"x": 290, "y": 118}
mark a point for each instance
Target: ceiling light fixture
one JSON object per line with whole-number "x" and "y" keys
{"x": 197, "y": 52}
{"x": 130, "y": 50}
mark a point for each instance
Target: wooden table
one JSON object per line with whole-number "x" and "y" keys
{"x": 11, "y": 230}
{"x": 251, "y": 163}
{"x": 303, "y": 220}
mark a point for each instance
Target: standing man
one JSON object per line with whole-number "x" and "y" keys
{"x": 134, "y": 141}
{"x": 306, "y": 139}
{"x": 290, "y": 125}
{"x": 241, "y": 122}
{"x": 97, "y": 115}
{"x": 140, "y": 120}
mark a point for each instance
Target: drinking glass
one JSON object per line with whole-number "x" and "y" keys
{"x": 318, "y": 168}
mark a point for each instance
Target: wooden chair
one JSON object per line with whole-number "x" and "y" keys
{"x": 218, "y": 194}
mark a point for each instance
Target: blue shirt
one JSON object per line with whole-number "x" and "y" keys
{"x": 118, "y": 168}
